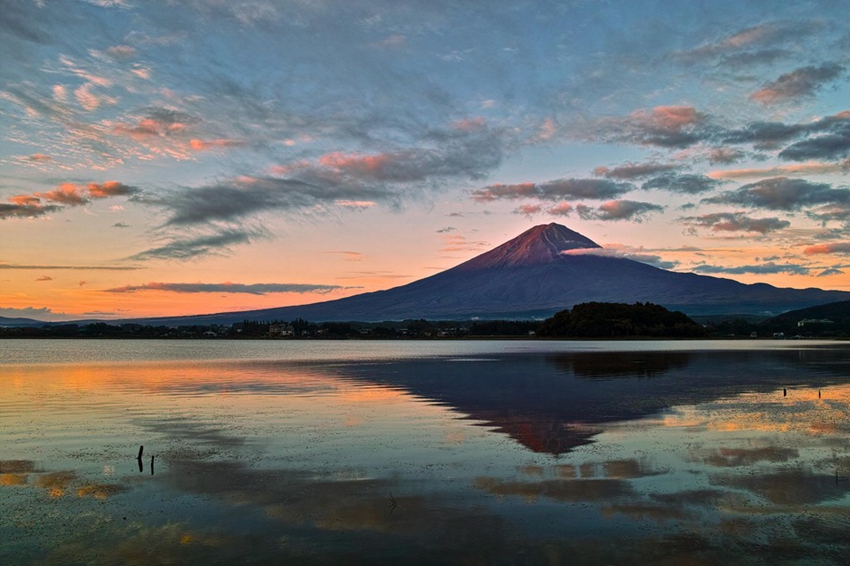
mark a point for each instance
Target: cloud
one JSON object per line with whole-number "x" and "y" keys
{"x": 120, "y": 225}
{"x": 830, "y": 271}
{"x": 686, "y": 184}
{"x": 25, "y": 206}
{"x": 617, "y": 210}
{"x": 782, "y": 193}
{"x": 831, "y": 145}
{"x": 769, "y": 268}
{"x": 554, "y": 190}
{"x": 110, "y": 189}
{"x": 735, "y": 222}
{"x": 817, "y": 168}
{"x": 157, "y": 121}
{"x": 634, "y": 170}
{"x": 724, "y": 155}
{"x": 227, "y": 287}
{"x": 769, "y": 135}
{"x": 44, "y": 278}
{"x": 192, "y": 247}
{"x": 205, "y": 145}
{"x": 446, "y": 229}
{"x": 755, "y": 43}
{"x": 38, "y": 157}
{"x": 66, "y": 193}
{"x": 800, "y": 83}
{"x": 458, "y": 243}
{"x": 830, "y": 248}
{"x": 528, "y": 209}
{"x": 70, "y": 267}
{"x": 625, "y": 253}
{"x": 663, "y": 126}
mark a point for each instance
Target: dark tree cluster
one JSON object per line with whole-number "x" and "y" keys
{"x": 618, "y": 320}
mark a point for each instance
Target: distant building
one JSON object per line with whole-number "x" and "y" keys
{"x": 806, "y": 321}
{"x": 281, "y": 330}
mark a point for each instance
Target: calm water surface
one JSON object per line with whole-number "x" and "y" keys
{"x": 424, "y": 452}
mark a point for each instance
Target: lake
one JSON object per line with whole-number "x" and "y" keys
{"x": 451, "y": 452}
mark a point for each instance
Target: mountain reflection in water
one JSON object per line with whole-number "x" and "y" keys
{"x": 482, "y": 457}
{"x": 555, "y": 403}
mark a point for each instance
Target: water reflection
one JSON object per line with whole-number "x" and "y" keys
{"x": 679, "y": 457}
{"x": 555, "y": 403}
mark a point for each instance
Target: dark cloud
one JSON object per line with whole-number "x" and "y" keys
{"x": 833, "y": 144}
{"x": 619, "y": 210}
{"x": 735, "y": 222}
{"x": 724, "y": 155}
{"x": 800, "y": 83}
{"x": 687, "y": 184}
{"x": 192, "y": 247}
{"x": 120, "y": 225}
{"x": 25, "y": 209}
{"x": 250, "y": 289}
{"x": 768, "y": 268}
{"x": 634, "y": 170}
{"x": 830, "y": 271}
{"x": 782, "y": 193}
{"x": 554, "y": 190}
{"x": 770, "y": 135}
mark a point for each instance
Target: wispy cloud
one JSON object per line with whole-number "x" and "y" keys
{"x": 554, "y": 190}
{"x": 800, "y": 83}
{"x": 227, "y": 287}
{"x": 689, "y": 184}
{"x": 817, "y": 168}
{"x": 769, "y": 268}
{"x": 617, "y": 210}
{"x": 194, "y": 246}
{"x": 71, "y": 267}
{"x": 735, "y": 222}
{"x": 635, "y": 170}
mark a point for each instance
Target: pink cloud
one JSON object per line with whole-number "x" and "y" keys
{"x": 354, "y": 162}
{"x": 498, "y": 190}
{"x": 25, "y": 200}
{"x": 469, "y": 124}
{"x": 203, "y": 145}
{"x": 109, "y": 189}
{"x": 66, "y": 193}
{"x": 668, "y": 117}
{"x": 528, "y": 209}
{"x": 783, "y": 170}
{"x": 833, "y": 248}
{"x": 561, "y": 209}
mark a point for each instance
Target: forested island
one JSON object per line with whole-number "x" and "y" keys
{"x": 587, "y": 320}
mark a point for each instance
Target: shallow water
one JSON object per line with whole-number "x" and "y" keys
{"x": 448, "y": 452}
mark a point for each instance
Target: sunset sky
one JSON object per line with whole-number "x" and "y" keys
{"x": 165, "y": 157}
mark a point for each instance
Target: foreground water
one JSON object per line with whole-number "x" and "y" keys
{"x": 429, "y": 452}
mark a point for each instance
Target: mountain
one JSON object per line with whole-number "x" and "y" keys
{"x": 532, "y": 276}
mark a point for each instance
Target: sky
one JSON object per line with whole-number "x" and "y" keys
{"x": 165, "y": 157}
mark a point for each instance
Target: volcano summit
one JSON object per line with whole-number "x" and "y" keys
{"x": 543, "y": 270}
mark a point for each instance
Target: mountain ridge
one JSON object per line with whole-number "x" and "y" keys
{"x": 530, "y": 276}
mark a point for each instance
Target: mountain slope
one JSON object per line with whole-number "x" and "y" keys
{"x": 531, "y": 276}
